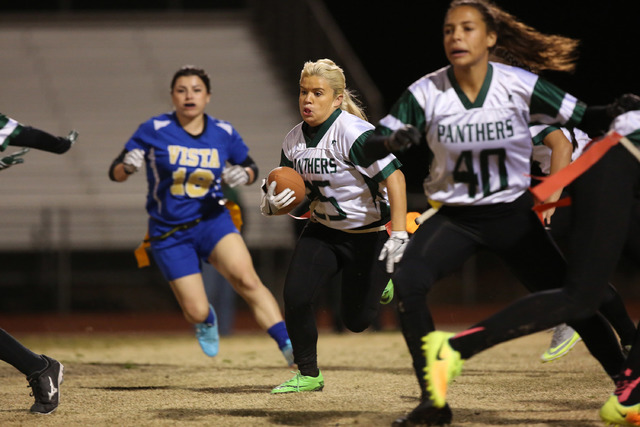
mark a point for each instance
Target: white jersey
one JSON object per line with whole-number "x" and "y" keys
{"x": 342, "y": 183}
{"x": 9, "y": 129}
{"x": 542, "y": 153}
{"x": 628, "y": 124}
{"x": 482, "y": 149}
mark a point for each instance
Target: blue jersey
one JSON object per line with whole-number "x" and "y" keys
{"x": 183, "y": 171}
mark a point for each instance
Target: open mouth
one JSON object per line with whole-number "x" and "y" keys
{"x": 458, "y": 52}
{"x": 189, "y": 105}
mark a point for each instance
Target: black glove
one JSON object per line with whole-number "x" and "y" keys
{"x": 402, "y": 139}
{"x": 622, "y": 104}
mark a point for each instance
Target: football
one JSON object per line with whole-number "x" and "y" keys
{"x": 286, "y": 177}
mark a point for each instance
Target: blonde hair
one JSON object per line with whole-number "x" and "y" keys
{"x": 522, "y": 45}
{"x": 334, "y": 75}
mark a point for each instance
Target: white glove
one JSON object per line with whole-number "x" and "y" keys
{"x": 133, "y": 160}
{"x": 235, "y": 175}
{"x": 271, "y": 203}
{"x": 393, "y": 249}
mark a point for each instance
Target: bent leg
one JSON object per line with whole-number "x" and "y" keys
{"x": 232, "y": 259}
{"x": 363, "y": 280}
{"x": 189, "y": 291}
{"x": 436, "y": 249}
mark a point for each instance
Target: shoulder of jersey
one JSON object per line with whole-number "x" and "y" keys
{"x": 353, "y": 126}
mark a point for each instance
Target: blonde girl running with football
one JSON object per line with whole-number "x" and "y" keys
{"x": 352, "y": 198}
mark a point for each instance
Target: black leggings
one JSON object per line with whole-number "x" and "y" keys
{"x": 445, "y": 241}
{"x": 320, "y": 254}
{"x": 602, "y": 199}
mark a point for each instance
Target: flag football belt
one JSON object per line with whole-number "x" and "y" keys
{"x": 569, "y": 173}
{"x": 141, "y": 251}
{"x": 180, "y": 227}
{"x": 366, "y": 230}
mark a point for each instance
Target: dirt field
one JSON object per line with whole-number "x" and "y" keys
{"x": 163, "y": 379}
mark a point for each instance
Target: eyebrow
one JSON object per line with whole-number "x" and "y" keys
{"x": 311, "y": 89}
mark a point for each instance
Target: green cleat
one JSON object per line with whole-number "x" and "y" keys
{"x": 613, "y": 413}
{"x": 387, "y": 294}
{"x": 443, "y": 365}
{"x": 564, "y": 338}
{"x": 300, "y": 383}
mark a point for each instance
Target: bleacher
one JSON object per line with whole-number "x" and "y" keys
{"x": 103, "y": 75}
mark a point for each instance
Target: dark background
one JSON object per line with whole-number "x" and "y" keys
{"x": 400, "y": 43}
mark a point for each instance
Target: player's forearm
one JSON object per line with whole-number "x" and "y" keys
{"x": 396, "y": 188}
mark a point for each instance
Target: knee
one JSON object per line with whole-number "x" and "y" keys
{"x": 246, "y": 283}
{"x": 412, "y": 282}
{"x": 195, "y": 311}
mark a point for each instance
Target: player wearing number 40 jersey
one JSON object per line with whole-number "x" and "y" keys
{"x": 474, "y": 116}
{"x": 188, "y": 154}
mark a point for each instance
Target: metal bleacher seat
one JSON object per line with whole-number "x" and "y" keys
{"x": 103, "y": 75}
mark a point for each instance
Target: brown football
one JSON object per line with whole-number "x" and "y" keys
{"x": 286, "y": 177}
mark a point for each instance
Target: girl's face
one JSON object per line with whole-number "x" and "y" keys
{"x": 466, "y": 40}
{"x": 317, "y": 101}
{"x": 189, "y": 96}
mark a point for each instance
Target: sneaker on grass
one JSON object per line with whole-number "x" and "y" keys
{"x": 300, "y": 383}
{"x": 443, "y": 365}
{"x": 208, "y": 337}
{"x": 425, "y": 414}
{"x": 387, "y": 294}
{"x": 287, "y": 352}
{"x": 614, "y": 413}
{"x": 563, "y": 340}
{"x": 45, "y": 386}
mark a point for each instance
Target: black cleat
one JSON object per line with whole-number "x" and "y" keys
{"x": 45, "y": 386}
{"x": 425, "y": 414}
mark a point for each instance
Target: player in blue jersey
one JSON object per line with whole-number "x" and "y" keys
{"x": 474, "y": 115}
{"x": 188, "y": 155}
{"x": 352, "y": 199}
{"x": 45, "y": 374}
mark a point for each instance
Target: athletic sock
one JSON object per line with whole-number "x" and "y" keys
{"x": 211, "y": 318}
{"x": 279, "y": 333}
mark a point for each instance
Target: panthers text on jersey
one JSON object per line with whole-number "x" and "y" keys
{"x": 342, "y": 183}
{"x": 481, "y": 149}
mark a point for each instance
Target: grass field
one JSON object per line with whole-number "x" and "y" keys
{"x": 134, "y": 379}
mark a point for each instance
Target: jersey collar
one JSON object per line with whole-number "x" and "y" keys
{"x": 482, "y": 95}
{"x": 312, "y": 136}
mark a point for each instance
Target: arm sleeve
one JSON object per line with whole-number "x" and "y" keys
{"x": 596, "y": 120}
{"x": 40, "y": 140}
{"x": 249, "y": 163}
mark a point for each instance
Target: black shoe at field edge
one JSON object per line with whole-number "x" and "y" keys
{"x": 425, "y": 414}
{"x": 45, "y": 386}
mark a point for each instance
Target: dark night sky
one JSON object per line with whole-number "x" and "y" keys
{"x": 400, "y": 43}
